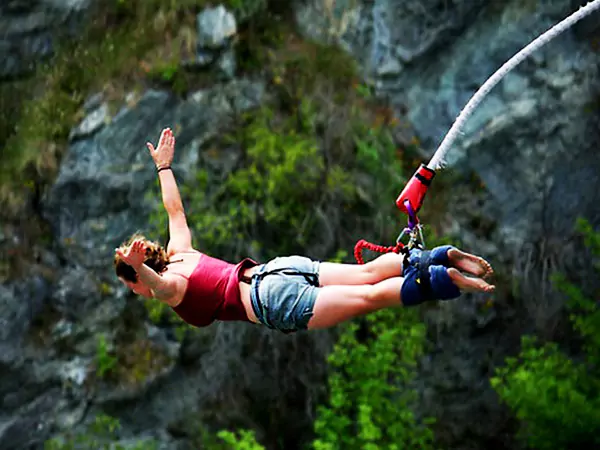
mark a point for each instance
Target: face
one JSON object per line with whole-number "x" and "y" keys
{"x": 138, "y": 288}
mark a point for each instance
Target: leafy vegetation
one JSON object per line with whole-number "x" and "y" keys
{"x": 243, "y": 440}
{"x": 138, "y": 360}
{"x": 130, "y": 363}
{"x": 370, "y": 398}
{"x": 105, "y": 360}
{"x": 274, "y": 192}
{"x": 98, "y": 435}
{"x": 102, "y": 434}
{"x": 555, "y": 396}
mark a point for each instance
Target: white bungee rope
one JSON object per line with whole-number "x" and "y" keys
{"x": 437, "y": 161}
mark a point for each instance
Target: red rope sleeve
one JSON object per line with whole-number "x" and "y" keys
{"x": 362, "y": 244}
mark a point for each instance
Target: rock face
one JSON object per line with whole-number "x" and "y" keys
{"x": 98, "y": 198}
{"x": 539, "y": 122}
{"x": 28, "y": 30}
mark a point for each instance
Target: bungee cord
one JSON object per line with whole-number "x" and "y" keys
{"x": 411, "y": 198}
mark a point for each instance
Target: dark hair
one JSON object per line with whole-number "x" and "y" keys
{"x": 156, "y": 258}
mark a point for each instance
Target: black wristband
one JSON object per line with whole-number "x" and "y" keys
{"x": 163, "y": 168}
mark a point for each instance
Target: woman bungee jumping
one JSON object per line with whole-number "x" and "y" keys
{"x": 287, "y": 293}
{"x": 294, "y": 293}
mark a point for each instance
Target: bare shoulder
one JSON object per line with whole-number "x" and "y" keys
{"x": 183, "y": 263}
{"x": 185, "y": 255}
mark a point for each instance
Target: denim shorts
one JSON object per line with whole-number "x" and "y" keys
{"x": 283, "y": 292}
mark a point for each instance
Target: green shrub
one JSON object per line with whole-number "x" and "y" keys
{"x": 105, "y": 360}
{"x": 273, "y": 194}
{"x": 370, "y": 398}
{"x": 243, "y": 440}
{"x": 557, "y": 398}
{"x": 138, "y": 360}
{"x": 98, "y": 435}
{"x": 554, "y": 398}
{"x": 246, "y": 9}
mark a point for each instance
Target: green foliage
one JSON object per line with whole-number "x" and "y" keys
{"x": 591, "y": 238}
{"x": 46, "y": 119}
{"x": 273, "y": 194}
{"x": 370, "y": 398}
{"x": 138, "y": 360}
{"x": 556, "y": 398}
{"x": 11, "y": 102}
{"x": 375, "y": 150}
{"x": 99, "y": 435}
{"x": 108, "y": 49}
{"x": 105, "y": 360}
{"x": 161, "y": 314}
{"x": 170, "y": 74}
{"x": 313, "y": 63}
{"x": 244, "y": 9}
{"x": 285, "y": 182}
{"x": 243, "y": 440}
{"x": 131, "y": 363}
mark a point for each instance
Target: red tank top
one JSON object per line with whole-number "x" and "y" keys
{"x": 212, "y": 292}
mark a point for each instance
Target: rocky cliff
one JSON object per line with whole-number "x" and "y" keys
{"x": 30, "y": 30}
{"x": 532, "y": 146}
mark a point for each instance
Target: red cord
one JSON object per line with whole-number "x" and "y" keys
{"x": 362, "y": 244}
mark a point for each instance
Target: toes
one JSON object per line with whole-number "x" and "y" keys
{"x": 487, "y": 268}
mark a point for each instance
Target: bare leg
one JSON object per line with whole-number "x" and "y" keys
{"x": 381, "y": 268}
{"x": 336, "y": 304}
{"x": 471, "y": 264}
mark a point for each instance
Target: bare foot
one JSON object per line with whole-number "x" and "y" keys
{"x": 472, "y": 264}
{"x": 469, "y": 284}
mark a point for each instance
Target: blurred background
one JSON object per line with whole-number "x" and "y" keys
{"x": 297, "y": 124}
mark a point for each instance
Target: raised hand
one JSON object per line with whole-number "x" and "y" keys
{"x": 134, "y": 255}
{"x": 163, "y": 154}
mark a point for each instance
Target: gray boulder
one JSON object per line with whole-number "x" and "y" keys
{"x": 216, "y": 30}
{"x": 29, "y": 29}
{"x": 216, "y": 27}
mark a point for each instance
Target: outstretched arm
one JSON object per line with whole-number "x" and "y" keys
{"x": 163, "y": 286}
{"x": 180, "y": 238}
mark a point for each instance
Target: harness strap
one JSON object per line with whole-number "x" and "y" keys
{"x": 311, "y": 278}
{"x": 421, "y": 275}
{"x": 424, "y": 277}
